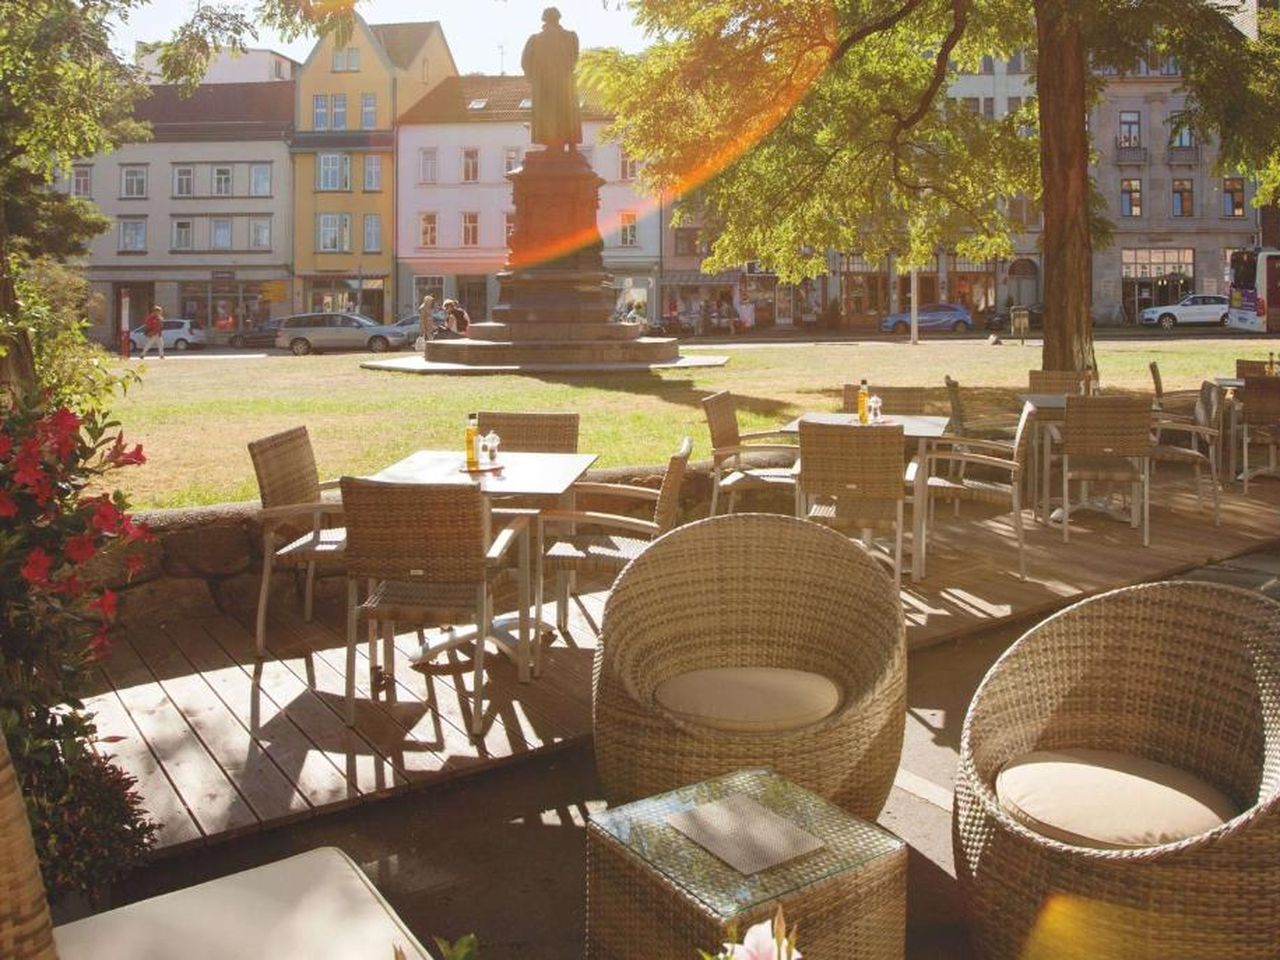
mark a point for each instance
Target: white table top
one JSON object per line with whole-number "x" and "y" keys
{"x": 522, "y": 474}
{"x": 913, "y": 425}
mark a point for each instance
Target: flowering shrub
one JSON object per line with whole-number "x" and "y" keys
{"x": 764, "y": 941}
{"x": 53, "y": 626}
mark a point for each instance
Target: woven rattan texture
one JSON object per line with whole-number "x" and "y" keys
{"x": 1107, "y": 426}
{"x": 1184, "y": 673}
{"x": 752, "y": 590}
{"x": 851, "y": 464}
{"x": 26, "y": 931}
{"x": 1250, "y": 368}
{"x": 667, "y": 511}
{"x": 1261, "y": 401}
{"x": 286, "y": 468}
{"x": 893, "y": 399}
{"x": 1056, "y": 381}
{"x": 532, "y": 432}
{"x": 722, "y": 420}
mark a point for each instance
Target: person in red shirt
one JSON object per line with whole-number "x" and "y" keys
{"x": 153, "y": 327}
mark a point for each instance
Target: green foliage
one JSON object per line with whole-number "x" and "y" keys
{"x": 466, "y": 948}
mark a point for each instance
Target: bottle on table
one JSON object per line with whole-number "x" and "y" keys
{"x": 864, "y": 394}
{"x": 473, "y": 442}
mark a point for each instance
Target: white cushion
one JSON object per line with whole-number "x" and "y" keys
{"x": 316, "y": 906}
{"x": 1097, "y": 798}
{"x": 749, "y": 698}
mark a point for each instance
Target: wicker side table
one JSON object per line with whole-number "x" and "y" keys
{"x": 654, "y": 894}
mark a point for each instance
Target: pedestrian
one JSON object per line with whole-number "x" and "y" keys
{"x": 426, "y": 311}
{"x": 458, "y": 319}
{"x": 153, "y": 327}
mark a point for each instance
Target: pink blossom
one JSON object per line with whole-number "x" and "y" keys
{"x": 759, "y": 944}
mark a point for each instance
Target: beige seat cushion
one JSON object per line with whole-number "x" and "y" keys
{"x": 755, "y": 699}
{"x": 1096, "y": 798}
{"x": 316, "y": 906}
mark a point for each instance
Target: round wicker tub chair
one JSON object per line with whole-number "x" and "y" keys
{"x": 752, "y": 640}
{"x": 1182, "y": 674}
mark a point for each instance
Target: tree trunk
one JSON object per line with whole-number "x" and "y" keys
{"x": 17, "y": 359}
{"x": 1064, "y": 172}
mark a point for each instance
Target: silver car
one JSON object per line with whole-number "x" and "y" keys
{"x": 1207, "y": 308}
{"x": 313, "y": 332}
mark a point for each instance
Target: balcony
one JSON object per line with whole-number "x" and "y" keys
{"x": 1130, "y": 153}
{"x": 1187, "y": 156}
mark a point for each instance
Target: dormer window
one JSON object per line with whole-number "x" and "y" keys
{"x": 526, "y": 103}
{"x": 478, "y": 104}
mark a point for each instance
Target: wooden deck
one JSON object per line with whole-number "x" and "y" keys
{"x": 222, "y": 744}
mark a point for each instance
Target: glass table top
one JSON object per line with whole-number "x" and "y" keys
{"x": 642, "y": 829}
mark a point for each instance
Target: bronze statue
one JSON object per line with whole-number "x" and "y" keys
{"x": 548, "y": 61}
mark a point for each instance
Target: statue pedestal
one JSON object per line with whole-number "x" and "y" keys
{"x": 556, "y": 296}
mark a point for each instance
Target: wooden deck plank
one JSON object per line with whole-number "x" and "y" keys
{"x": 214, "y": 801}
{"x": 270, "y": 793}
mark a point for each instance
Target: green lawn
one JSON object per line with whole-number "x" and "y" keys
{"x": 194, "y": 415}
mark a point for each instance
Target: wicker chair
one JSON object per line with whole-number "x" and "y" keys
{"x": 432, "y": 560}
{"x": 1183, "y": 674}
{"x": 1058, "y": 381}
{"x": 904, "y": 400}
{"x": 1203, "y": 442}
{"x": 1250, "y": 368}
{"x": 532, "y": 432}
{"x": 751, "y": 591}
{"x": 1260, "y": 423}
{"x": 293, "y": 515}
{"x": 603, "y": 552}
{"x": 1170, "y": 401}
{"x": 957, "y": 453}
{"x": 730, "y": 475}
{"x": 851, "y": 479}
{"x": 999, "y": 427}
{"x": 1108, "y": 440}
{"x": 316, "y": 905}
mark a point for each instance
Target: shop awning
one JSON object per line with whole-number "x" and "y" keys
{"x": 694, "y": 278}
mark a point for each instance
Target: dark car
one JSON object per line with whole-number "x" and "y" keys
{"x": 263, "y": 335}
{"x": 931, "y": 316}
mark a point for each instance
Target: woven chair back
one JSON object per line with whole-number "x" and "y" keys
{"x": 26, "y": 929}
{"x": 750, "y": 590}
{"x": 722, "y": 420}
{"x": 532, "y": 432}
{"x": 1156, "y": 380}
{"x": 285, "y": 466}
{"x": 1058, "y": 381}
{"x": 956, "y": 400}
{"x": 1251, "y": 368}
{"x": 1107, "y": 427}
{"x": 667, "y": 510}
{"x": 904, "y": 400}
{"x": 851, "y": 463}
{"x": 1209, "y": 407}
{"x": 415, "y": 532}
{"x": 1261, "y": 398}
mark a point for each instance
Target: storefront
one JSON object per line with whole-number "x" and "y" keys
{"x": 685, "y": 291}
{"x": 758, "y": 299}
{"x": 864, "y": 290}
{"x": 800, "y": 303}
{"x": 1154, "y": 276}
{"x": 352, "y": 294}
{"x": 971, "y": 283}
{"x": 226, "y": 304}
{"x": 632, "y": 292}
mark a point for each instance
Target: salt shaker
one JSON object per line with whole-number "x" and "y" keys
{"x": 875, "y": 404}
{"x": 492, "y": 440}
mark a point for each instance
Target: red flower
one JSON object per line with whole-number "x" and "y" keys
{"x": 106, "y": 517}
{"x": 100, "y": 643}
{"x": 29, "y": 470}
{"x": 134, "y": 564}
{"x": 80, "y": 548}
{"x": 61, "y": 428}
{"x": 135, "y": 531}
{"x": 8, "y": 506}
{"x": 6, "y": 445}
{"x": 122, "y": 457}
{"x": 106, "y": 603}
{"x": 71, "y": 586}
{"x": 35, "y": 570}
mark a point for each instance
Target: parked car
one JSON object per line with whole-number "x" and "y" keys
{"x": 312, "y": 332}
{"x": 1204, "y": 308}
{"x": 411, "y": 324}
{"x": 999, "y": 319}
{"x": 178, "y": 335}
{"x": 260, "y": 336}
{"x": 932, "y": 316}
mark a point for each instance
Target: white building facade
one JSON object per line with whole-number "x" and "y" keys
{"x": 454, "y": 150}
{"x": 255, "y": 65}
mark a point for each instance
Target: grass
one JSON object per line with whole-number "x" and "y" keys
{"x": 195, "y": 415}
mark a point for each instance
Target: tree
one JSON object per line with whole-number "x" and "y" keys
{"x": 816, "y": 124}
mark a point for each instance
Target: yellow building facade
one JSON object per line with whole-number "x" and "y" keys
{"x": 349, "y": 95}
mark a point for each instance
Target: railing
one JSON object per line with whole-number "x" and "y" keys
{"x": 1183, "y": 156}
{"x": 1130, "y": 153}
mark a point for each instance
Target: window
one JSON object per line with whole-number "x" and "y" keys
{"x": 184, "y": 181}
{"x": 372, "y": 233}
{"x": 368, "y": 111}
{"x": 346, "y": 59}
{"x": 627, "y": 231}
{"x": 1130, "y": 198}
{"x": 1233, "y": 196}
{"x": 988, "y": 65}
{"x": 333, "y": 232}
{"x": 989, "y": 107}
{"x": 1016, "y": 64}
{"x": 333, "y": 171}
{"x": 526, "y": 104}
{"x": 428, "y": 286}
{"x": 220, "y": 233}
{"x": 372, "y": 172}
{"x": 1180, "y": 135}
{"x": 182, "y": 234}
{"x": 471, "y": 229}
{"x": 626, "y": 166}
{"x": 1156, "y": 262}
{"x": 339, "y": 111}
{"x": 222, "y": 181}
{"x": 260, "y": 180}
{"x": 279, "y": 70}
{"x": 686, "y": 241}
{"x": 1130, "y": 129}
{"x": 1183, "y": 198}
{"x": 470, "y": 165}
{"x": 511, "y": 159}
{"x": 508, "y": 225}
{"x": 478, "y": 104}
{"x": 1015, "y": 104}
{"x": 260, "y": 233}
{"x": 427, "y": 231}
{"x": 427, "y": 165}
{"x": 973, "y": 104}
{"x": 133, "y": 235}
{"x": 320, "y": 112}
{"x": 82, "y": 182}
{"x": 133, "y": 182}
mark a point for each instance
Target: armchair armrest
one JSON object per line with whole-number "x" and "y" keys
{"x": 292, "y": 510}
{"x": 505, "y": 538}
{"x": 1182, "y": 426}
{"x": 952, "y": 440}
{"x": 592, "y": 518}
{"x": 761, "y": 434}
{"x": 330, "y": 484}
{"x": 960, "y": 456}
{"x": 742, "y": 448}
{"x": 615, "y": 490}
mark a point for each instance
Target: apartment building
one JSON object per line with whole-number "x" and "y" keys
{"x": 349, "y": 97}
{"x": 201, "y": 214}
{"x": 455, "y": 149}
{"x": 255, "y": 65}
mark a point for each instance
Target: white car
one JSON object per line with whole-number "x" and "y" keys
{"x": 1207, "y": 308}
{"x": 178, "y": 335}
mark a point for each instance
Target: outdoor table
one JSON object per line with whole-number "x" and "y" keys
{"x": 1233, "y": 421}
{"x": 923, "y": 429}
{"x": 521, "y": 475}
{"x": 653, "y": 893}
